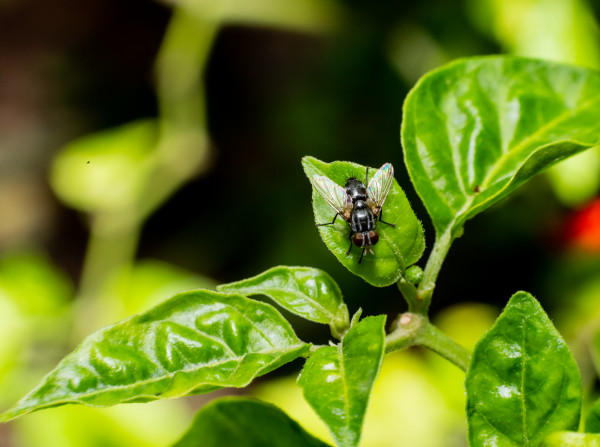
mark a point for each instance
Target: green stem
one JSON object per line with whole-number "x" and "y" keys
{"x": 410, "y": 294}
{"x": 412, "y": 329}
{"x": 407, "y": 327}
{"x": 112, "y": 245}
{"x": 434, "y": 339}
{"x": 183, "y": 150}
{"x": 432, "y": 269}
{"x": 181, "y": 153}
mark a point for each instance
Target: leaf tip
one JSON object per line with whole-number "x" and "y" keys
{"x": 522, "y": 298}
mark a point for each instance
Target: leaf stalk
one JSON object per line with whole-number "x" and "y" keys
{"x": 413, "y": 329}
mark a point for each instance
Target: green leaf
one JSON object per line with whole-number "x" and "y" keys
{"x": 308, "y": 292}
{"x": 398, "y": 247}
{"x": 571, "y": 439}
{"x": 592, "y": 422}
{"x": 337, "y": 380}
{"x": 108, "y": 170}
{"x": 195, "y": 342}
{"x": 244, "y": 422}
{"x": 523, "y": 382}
{"x": 476, "y": 129}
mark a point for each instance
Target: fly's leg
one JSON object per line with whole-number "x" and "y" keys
{"x": 350, "y": 248}
{"x": 383, "y": 221}
{"x": 329, "y": 223}
{"x": 363, "y": 253}
{"x": 367, "y": 179}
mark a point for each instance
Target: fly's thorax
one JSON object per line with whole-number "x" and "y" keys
{"x": 356, "y": 189}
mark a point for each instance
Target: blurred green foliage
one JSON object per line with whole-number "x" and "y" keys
{"x": 239, "y": 93}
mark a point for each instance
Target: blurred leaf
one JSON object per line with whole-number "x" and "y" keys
{"x": 308, "y": 292}
{"x": 465, "y": 323}
{"x": 558, "y": 30}
{"x": 592, "y": 422}
{"x": 398, "y": 247}
{"x": 577, "y": 179}
{"x": 337, "y": 381}
{"x": 193, "y": 343}
{"x": 476, "y": 129}
{"x": 571, "y": 439}
{"x": 108, "y": 170}
{"x": 134, "y": 425}
{"x": 244, "y": 422}
{"x": 136, "y": 288}
{"x": 34, "y": 284}
{"x": 35, "y": 301}
{"x": 523, "y": 382}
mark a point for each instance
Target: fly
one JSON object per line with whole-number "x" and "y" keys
{"x": 359, "y": 205}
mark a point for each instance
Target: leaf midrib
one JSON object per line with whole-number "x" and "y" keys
{"x": 458, "y": 217}
{"x": 299, "y": 294}
{"x": 237, "y": 359}
{"x": 568, "y": 113}
{"x": 344, "y": 386}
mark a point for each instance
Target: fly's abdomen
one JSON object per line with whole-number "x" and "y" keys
{"x": 362, "y": 219}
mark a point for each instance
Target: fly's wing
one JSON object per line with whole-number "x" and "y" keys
{"x": 380, "y": 185}
{"x": 334, "y": 195}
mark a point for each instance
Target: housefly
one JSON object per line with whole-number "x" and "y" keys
{"x": 359, "y": 205}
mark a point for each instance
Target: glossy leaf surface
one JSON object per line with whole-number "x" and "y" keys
{"x": 308, "y": 292}
{"x": 398, "y": 247}
{"x": 523, "y": 383}
{"x": 571, "y": 439}
{"x": 244, "y": 422}
{"x": 193, "y": 343}
{"x": 476, "y": 129}
{"x": 337, "y": 380}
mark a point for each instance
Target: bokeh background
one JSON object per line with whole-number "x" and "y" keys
{"x": 153, "y": 147}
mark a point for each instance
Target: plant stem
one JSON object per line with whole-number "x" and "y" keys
{"x": 182, "y": 151}
{"x": 112, "y": 245}
{"x": 412, "y": 329}
{"x": 432, "y": 269}
{"x": 410, "y": 294}
{"x": 434, "y": 339}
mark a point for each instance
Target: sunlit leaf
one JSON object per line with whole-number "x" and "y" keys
{"x": 476, "y": 129}
{"x": 523, "y": 383}
{"x": 244, "y": 422}
{"x": 193, "y": 343}
{"x": 308, "y": 292}
{"x": 337, "y": 380}
{"x": 571, "y": 439}
{"x": 398, "y": 247}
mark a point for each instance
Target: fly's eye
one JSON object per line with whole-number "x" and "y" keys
{"x": 358, "y": 239}
{"x": 374, "y": 237}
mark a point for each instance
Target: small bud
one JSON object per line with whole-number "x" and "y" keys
{"x": 405, "y": 319}
{"x": 414, "y": 274}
